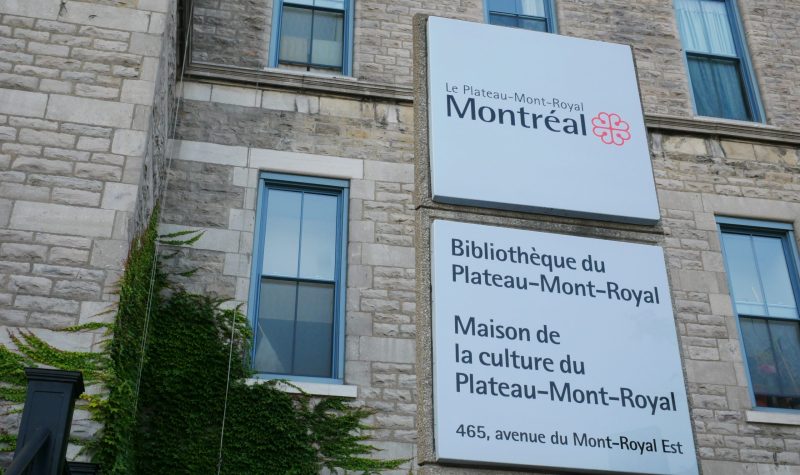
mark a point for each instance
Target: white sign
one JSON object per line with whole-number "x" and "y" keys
{"x": 538, "y": 122}
{"x": 555, "y": 351}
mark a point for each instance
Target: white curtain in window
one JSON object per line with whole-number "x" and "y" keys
{"x": 717, "y": 86}
{"x": 328, "y": 39}
{"x": 531, "y": 7}
{"x": 518, "y": 7}
{"x": 705, "y": 26}
{"x": 295, "y": 34}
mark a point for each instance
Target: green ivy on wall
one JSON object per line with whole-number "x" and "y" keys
{"x": 177, "y": 399}
{"x": 114, "y": 450}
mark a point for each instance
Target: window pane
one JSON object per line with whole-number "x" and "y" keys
{"x": 775, "y": 276}
{"x": 297, "y": 325}
{"x": 743, "y": 274}
{"x": 332, "y": 4}
{"x": 705, "y": 27}
{"x": 718, "y": 88}
{"x": 282, "y": 234}
{"x": 328, "y": 39}
{"x": 531, "y": 7}
{"x": 314, "y": 337}
{"x": 295, "y": 328}
{"x": 503, "y": 20}
{"x": 295, "y": 34}
{"x": 531, "y": 24}
{"x": 309, "y": 3}
{"x": 318, "y": 244}
{"x": 773, "y": 357}
{"x": 275, "y": 331}
{"x": 507, "y": 6}
{"x": 519, "y": 14}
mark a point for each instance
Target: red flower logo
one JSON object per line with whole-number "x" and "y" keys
{"x": 611, "y": 128}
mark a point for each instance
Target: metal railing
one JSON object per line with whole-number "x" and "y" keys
{"x": 46, "y": 420}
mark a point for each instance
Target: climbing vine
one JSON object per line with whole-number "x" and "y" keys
{"x": 175, "y": 369}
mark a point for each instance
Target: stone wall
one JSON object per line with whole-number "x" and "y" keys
{"x": 85, "y": 108}
{"x": 649, "y": 26}
{"x": 230, "y": 133}
{"x": 227, "y": 136}
{"x": 77, "y": 86}
{"x": 238, "y": 33}
{"x": 770, "y": 30}
{"x": 382, "y": 48}
{"x": 232, "y": 32}
{"x": 699, "y": 178}
{"x": 159, "y": 126}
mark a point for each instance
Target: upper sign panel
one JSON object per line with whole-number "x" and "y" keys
{"x": 536, "y": 121}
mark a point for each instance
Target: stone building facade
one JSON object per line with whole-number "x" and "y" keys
{"x": 86, "y": 101}
{"x": 85, "y": 87}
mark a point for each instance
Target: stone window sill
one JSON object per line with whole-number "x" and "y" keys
{"x": 770, "y": 417}
{"x": 312, "y": 74}
{"x": 300, "y": 80}
{"x": 313, "y": 389}
{"x": 733, "y": 129}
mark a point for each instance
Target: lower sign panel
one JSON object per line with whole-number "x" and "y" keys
{"x": 557, "y": 352}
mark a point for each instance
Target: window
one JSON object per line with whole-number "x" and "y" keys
{"x": 535, "y": 15}
{"x": 719, "y": 70}
{"x": 297, "y": 293}
{"x": 312, "y": 35}
{"x": 761, "y": 262}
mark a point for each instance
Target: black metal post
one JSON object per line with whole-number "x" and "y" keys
{"x": 46, "y": 420}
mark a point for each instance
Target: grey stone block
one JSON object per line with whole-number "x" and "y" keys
{"x": 64, "y": 154}
{"x": 390, "y": 350}
{"x": 137, "y": 92}
{"x": 213, "y": 153}
{"x": 23, "y": 252}
{"x": 97, "y": 92}
{"x": 65, "y": 182}
{"x": 98, "y": 172}
{"x": 26, "y": 104}
{"x": 47, "y": 9}
{"x": 105, "y": 16}
{"x": 46, "y": 304}
{"x": 120, "y": 196}
{"x": 145, "y": 44}
{"x": 70, "y": 196}
{"x": 385, "y": 255}
{"x": 89, "y": 111}
{"x": 77, "y": 290}
{"x": 68, "y": 256}
{"x": 54, "y": 218}
{"x": 53, "y": 139}
{"x": 93, "y": 144}
{"x": 393, "y": 172}
{"x": 109, "y": 254}
{"x": 129, "y": 142}
{"x": 8, "y": 133}
{"x": 68, "y": 272}
{"x": 42, "y": 165}
{"x": 22, "y": 284}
